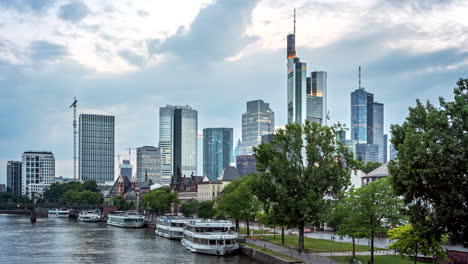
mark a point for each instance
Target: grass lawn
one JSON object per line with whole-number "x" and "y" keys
{"x": 243, "y": 231}
{"x": 271, "y": 252}
{"x": 385, "y": 259}
{"x": 314, "y": 245}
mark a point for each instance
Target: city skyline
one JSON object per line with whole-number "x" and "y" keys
{"x": 400, "y": 67}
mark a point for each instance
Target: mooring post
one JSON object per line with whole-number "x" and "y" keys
{"x": 32, "y": 214}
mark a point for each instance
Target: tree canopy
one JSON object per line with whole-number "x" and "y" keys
{"x": 305, "y": 164}
{"x": 160, "y": 200}
{"x": 370, "y": 166}
{"x": 73, "y": 192}
{"x": 430, "y": 170}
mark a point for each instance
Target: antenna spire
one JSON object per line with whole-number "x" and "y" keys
{"x": 359, "y": 76}
{"x": 294, "y": 21}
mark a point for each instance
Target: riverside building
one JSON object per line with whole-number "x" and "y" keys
{"x": 37, "y": 171}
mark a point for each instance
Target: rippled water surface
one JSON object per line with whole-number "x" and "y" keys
{"x": 67, "y": 241}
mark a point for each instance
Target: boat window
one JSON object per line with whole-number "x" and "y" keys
{"x": 212, "y": 242}
{"x": 220, "y": 242}
{"x": 228, "y": 242}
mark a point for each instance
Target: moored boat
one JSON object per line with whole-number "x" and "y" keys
{"x": 59, "y": 213}
{"x": 89, "y": 216}
{"x": 170, "y": 227}
{"x": 126, "y": 219}
{"x": 214, "y": 237}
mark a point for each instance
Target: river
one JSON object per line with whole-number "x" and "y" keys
{"x": 54, "y": 240}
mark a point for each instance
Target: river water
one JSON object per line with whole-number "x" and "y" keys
{"x": 53, "y": 240}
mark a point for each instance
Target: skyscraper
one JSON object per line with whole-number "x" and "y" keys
{"x": 178, "y": 141}
{"x": 367, "y": 152}
{"x": 306, "y": 96}
{"x": 385, "y": 148}
{"x": 217, "y": 151}
{"x": 200, "y": 153}
{"x": 37, "y": 171}
{"x": 393, "y": 152}
{"x": 257, "y": 121}
{"x": 148, "y": 164}
{"x": 362, "y": 104}
{"x": 317, "y": 97}
{"x": 96, "y": 148}
{"x": 126, "y": 169}
{"x": 14, "y": 177}
{"x": 378, "y": 129}
{"x": 246, "y": 164}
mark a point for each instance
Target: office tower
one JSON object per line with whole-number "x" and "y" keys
{"x": 362, "y": 104}
{"x": 350, "y": 144}
{"x": 246, "y": 164}
{"x": 96, "y": 148}
{"x": 217, "y": 154}
{"x": 238, "y": 148}
{"x": 37, "y": 171}
{"x": 178, "y": 141}
{"x": 367, "y": 152}
{"x": 267, "y": 138}
{"x": 14, "y": 177}
{"x": 378, "y": 130}
{"x": 316, "y": 89}
{"x": 126, "y": 169}
{"x": 148, "y": 164}
{"x": 257, "y": 121}
{"x": 385, "y": 148}
{"x": 393, "y": 152}
{"x": 200, "y": 154}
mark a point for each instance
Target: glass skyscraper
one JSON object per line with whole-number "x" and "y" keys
{"x": 126, "y": 169}
{"x": 385, "y": 148}
{"x": 317, "y": 97}
{"x": 378, "y": 129}
{"x": 148, "y": 164}
{"x": 297, "y": 96}
{"x": 96, "y": 148}
{"x": 257, "y": 121}
{"x": 217, "y": 151}
{"x": 177, "y": 141}
{"x": 14, "y": 177}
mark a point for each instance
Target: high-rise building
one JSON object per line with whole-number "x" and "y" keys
{"x": 317, "y": 97}
{"x": 367, "y": 152}
{"x": 37, "y": 171}
{"x": 96, "y": 148}
{"x": 267, "y": 138}
{"x": 362, "y": 104}
{"x": 378, "y": 129}
{"x": 306, "y": 96}
{"x": 200, "y": 153}
{"x": 257, "y": 121}
{"x": 14, "y": 177}
{"x": 126, "y": 169}
{"x": 246, "y": 164}
{"x": 393, "y": 152}
{"x": 148, "y": 164}
{"x": 385, "y": 148}
{"x": 178, "y": 141}
{"x": 238, "y": 148}
{"x": 217, "y": 151}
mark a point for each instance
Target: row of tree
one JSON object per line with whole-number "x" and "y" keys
{"x": 86, "y": 193}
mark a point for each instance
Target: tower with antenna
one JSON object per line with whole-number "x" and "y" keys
{"x": 291, "y": 49}
{"x": 75, "y": 102}
{"x": 360, "y": 77}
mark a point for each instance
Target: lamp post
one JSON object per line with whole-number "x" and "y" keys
{"x": 332, "y": 238}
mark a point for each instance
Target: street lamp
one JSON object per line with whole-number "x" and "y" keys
{"x": 332, "y": 238}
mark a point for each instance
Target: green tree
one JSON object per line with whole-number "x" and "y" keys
{"x": 305, "y": 164}
{"x": 430, "y": 170}
{"x": 189, "y": 208}
{"x": 83, "y": 197}
{"x": 410, "y": 242}
{"x": 118, "y": 202}
{"x": 91, "y": 186}
{"x": 238, "y": 202}
{"x": 206, "y": 209}
{"x": 375, "y": 208}
{"x": 370, "y": 166}
{"x": 160, "y": 200}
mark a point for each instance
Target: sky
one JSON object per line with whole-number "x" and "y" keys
{"x": 128, "y": 58}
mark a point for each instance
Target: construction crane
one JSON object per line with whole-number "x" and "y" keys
{"x": 130, "y": 153}
{"x": 75, "y": 102}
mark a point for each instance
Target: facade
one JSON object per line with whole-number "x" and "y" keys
{"x": 367, "y": 152}
{"x": 148, "y": 164}
{"x": 378, "y": 130}
{"x": 37, "y": 171}
{"x": 211, "y": 190}
{"x": 246, "y": 164}
{"x": 96, "y": 148}
{"x": 200, "y": 153}
{"x": 257, "y": 121}
{"x": 351, "y": 145}
{"x": 362, "y": 104}
{"x": 316, "y": 89}
{"x": 297, "y": 94}
{"x": 267, "y": 138}
{"x": 385, "y": 148}
{"x": 178, "y": 141}
{"x": 218, "y": 151}
{"x": 14, "y": 177}
{"x": 238, "y": 148}
{"x": 126, "y": 169}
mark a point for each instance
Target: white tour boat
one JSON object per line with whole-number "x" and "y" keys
{"x": 62, "y": 213}
{"x": 89, "y": 216}
{"x": 126, "y": 219}
{"x": 214, "y": 237}
{"x": 170, "y": 227}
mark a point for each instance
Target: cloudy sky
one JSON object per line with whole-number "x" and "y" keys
{"x": 128, "y": 58}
